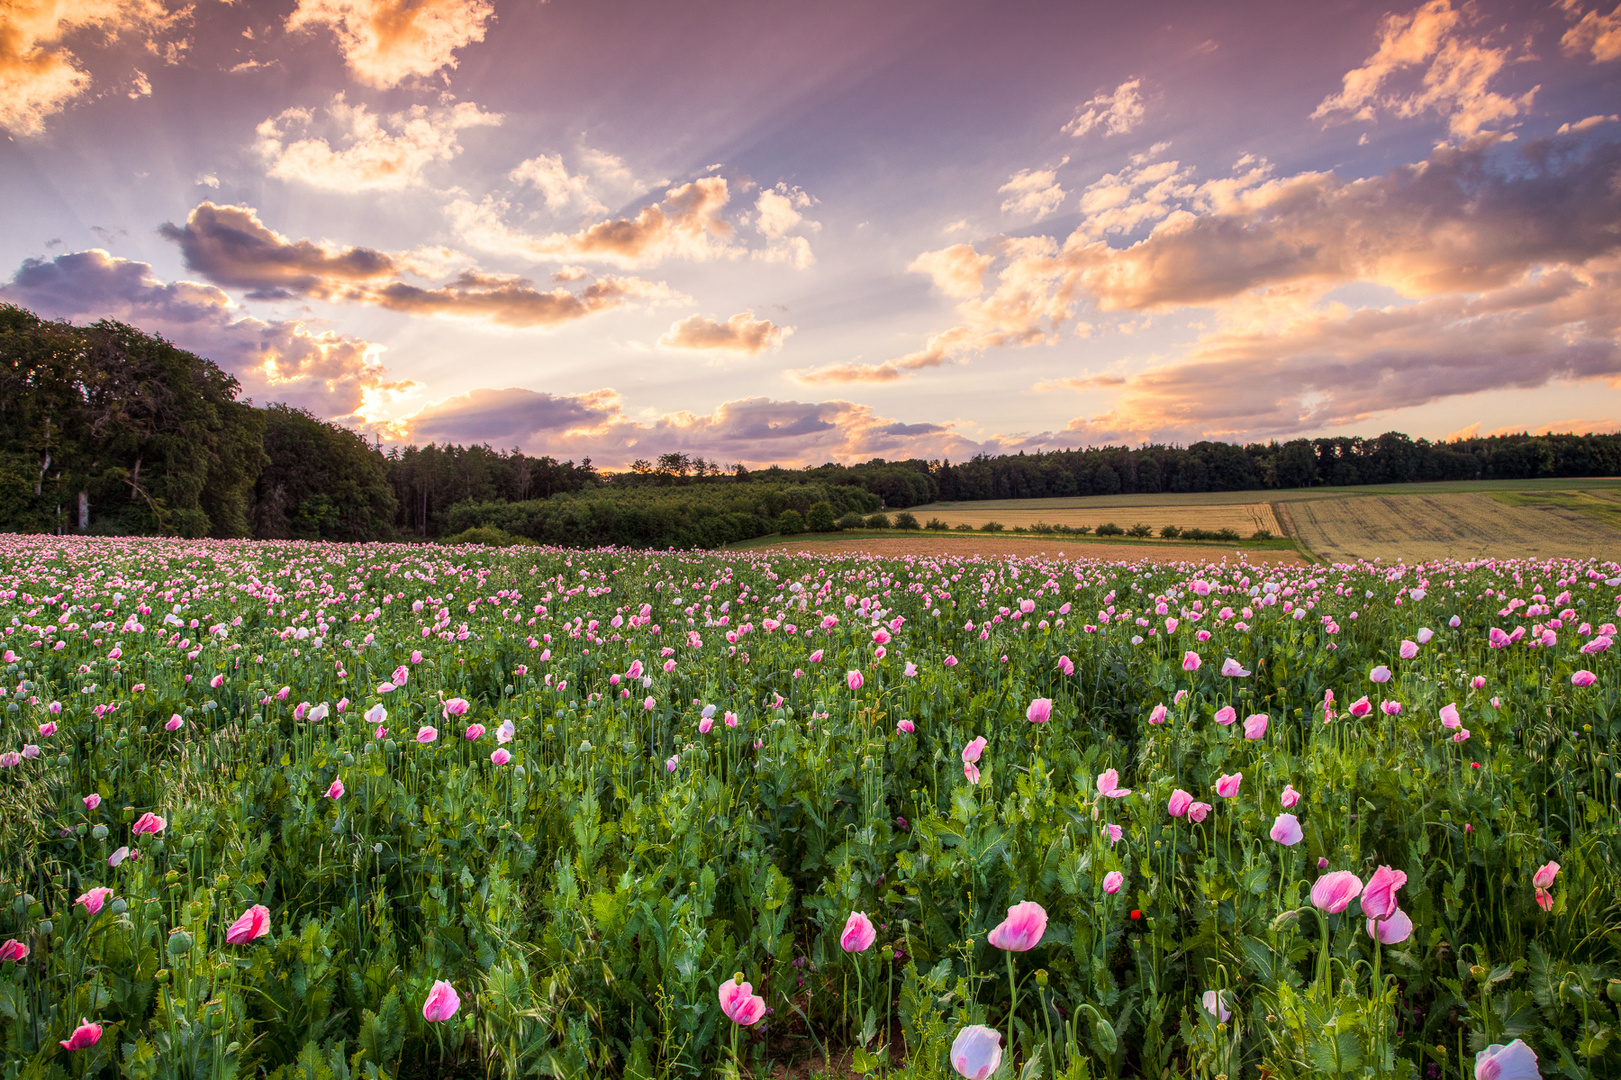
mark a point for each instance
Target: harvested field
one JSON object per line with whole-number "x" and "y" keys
{"x": 1416, "y": 527}
{"x": 968, "y": 545}
{"x": 1244, "y": 518}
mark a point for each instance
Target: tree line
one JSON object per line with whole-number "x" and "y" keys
{"x": 105, "y": 429}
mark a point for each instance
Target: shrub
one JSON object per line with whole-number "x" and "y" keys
{"x": 852, "y": 520}
{"x": 1261, "y": 534}
{"x": 1140, "y": 530}
{"x": 965, "y": 527}
{"x": 1227, "y": 534}
{"x": 1109, "y": 528}
{"x": 906, "y": 520}
{"x": 936, "y": 525}
{"x": 790, "y": 522}
{"x": 820, "y": 518}
{"x": 991, "y": 526}
{"x": 489, "y": 537}
{"x": 878, "y": 521}
{"x": 1043, "y": 527}
{"x": 1170, "y": 532}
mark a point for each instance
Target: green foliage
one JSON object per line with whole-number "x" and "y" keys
{"x": 936, "y": 525}
{"x": 877, "y": 521}
{"x": 851, "y": 521}
{"x": 320, "y": 482}
{"x": 790, "y": 523}
{"x": 488, "y": 537}
{"x": 1169, "y": 532}
{"x": 1140, "y": 530}
{"x": 907, "y": 521}
{"x": 1109, "y": 528}
{"x": 991, "y": 527}
{"x": 821, "y": 517}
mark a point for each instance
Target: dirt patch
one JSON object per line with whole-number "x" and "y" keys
{"x": 968, "y": 546}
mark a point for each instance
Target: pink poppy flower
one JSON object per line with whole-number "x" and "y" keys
{"x": 92, "y": 900}
{"x": 1227, "y": 785}
{"x": 1409, "y": 649}
{"x": 335, "y": 789}
{"x": 426, "y": 734}
{"x": 1226, "y": 715}
{"x": 84, "y": 1036}
{"x": 1393, "y": 929}
{"x": 253, "y": 923}
{"x": 47, "y": 729}
{"x": 1334, "y": 892}
{"x": 1109, "y": 785}
{"x": 1449, "y": 716}
{"x": 853, "y": 680}
{"x": 1516, "y": 1061}
{"x": 1233, "y": 669}
{"x": 971, "y": 771}
{"x": 1115, "y": 832}
{"x": 148, "y": 823}
{"x": 1380, "y": 674}
{"x": 1255, "y": 726}
{"x": 1379, "y": 894}
{"x": 475, "y": 731}
{"x": 92, "y": 800}
{"x": 442, "y": 1003}
{"x": 1023, "y": 928}
{"x": 500, "y": 755}
{"x": 1461, "y": 735}
{"x": 174, "y": 723}
{"x": 976, "y": 1052}
{"x": 950, "y": 661}
{"x": 1157, "y": 716}
{"x": 1289, "y": 797}
{"x": 1198, "y": 811}
{"x": 740, "y": 1003}
{"x": 456, "y": 707}
{"x": 13, "y": 951}
{"x": 1545, "y": 874}
{"x": 1179, "y": 803}
{"x": 905, "y": 726}
{"x": 1066, "y": 665}
{"x": 1191, "y": 661}
{"x": 1583, "y": 678}
{"x": 401, "y": 674}
{"x": 1286, "y": 830}
{"x": 1215, "y": 1003}
{"x": 1360, "y": 707}
{"x": 1390, "y": 708}
{"x": 1112, "y": 881}
{"x": 972, "y": 751}
{"x": 1039, "y": 711}
{"x": 859, "y": 933}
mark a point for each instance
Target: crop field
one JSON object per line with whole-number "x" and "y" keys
{"x": 297, "y": 811}
{"x": 1421, "y": 527}
{"x": 1245, "y": 518}
{"x": 979, "y": 545}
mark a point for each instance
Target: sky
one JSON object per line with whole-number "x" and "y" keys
{"x": 767, "y": 232}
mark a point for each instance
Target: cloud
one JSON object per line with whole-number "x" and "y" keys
{"x": 686, "y": 224}
{"x": 741, "y": 333}
{"x": 1470, "y": 432}
{"x": 230, "y": 246}
{"x": 386, "y": 42}
{"x": 39, "y": 77}
{"x": 1597, "y": 35}
{"x": 1083, "y": 382}
{"x": 1033, "y": 191}
{"x": 1116, "y": 113}
{"x": 1558, "y": 427}
{"x": 750, "y": 431}
{"x": 376, "y": 153}
{"x": 334, "y": 375}
{"x": 547, "y": 174}
{"x": 1454, "y": 84}
{"x": 1584, "y": 125}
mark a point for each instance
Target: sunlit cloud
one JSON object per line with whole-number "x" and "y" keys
{"x": 742, "y": 333}
{"x": 39, "y": 76}
{"x": 1035, "y": 192}
{"x": 385, "y": 42}
{"x": 1113, "y": 114}
{"x": 1595, "y": 35}
{"x": 1456, "y": 73}
{"x": 358, "y": 150}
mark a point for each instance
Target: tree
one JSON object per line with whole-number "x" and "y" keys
{"x": 321, "y": 482}
{"x": 790, "y": 523}
{"x": 820, "y": 517}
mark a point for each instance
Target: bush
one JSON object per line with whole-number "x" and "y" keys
{"x": 991, "y": 526}
{"x": 1261, "y": 534}
{"x": 965, "y": 527}
{"x": 1140, "y": 530}
{"x": 936, "y": 525}
{"x": 907, "y": 520}
{"x": 1042, "y": 527}
{"x": 1170, "y": 532}
{"x": 821, "y": 517}
{"x": 1110, "y": 529}
{"x": 851, "y": 520}
{"x": 489, "y": 537}
{"x": 790, "y": 522}
{"x": 878, "y": 521}
{"x": 1227, "y": 534}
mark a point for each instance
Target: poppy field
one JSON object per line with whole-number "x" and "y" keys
{"x": 321, "y": 812}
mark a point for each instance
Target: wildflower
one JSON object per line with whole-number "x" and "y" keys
{"x": 740, "y": 1003}
{"x": 905, "y": 726}
{"x": 1380, "y": 674}
{"x": 1039, "y": 711}
{"x": 92, "y": 800}
{"x": 1023, "y": 928}
{"x": 1334, "y": 892}
{"x": 1190, "y": 661}
{"x": 1226, "y": 715}
{"x": 1198, "y": 811}
{"x": 1179, "y": 803}
{"x": 1255, "y": 726}
{"x": 1157, "y": 716}
{"x": 475, "y": 732}
{"x": 92, "y": 900}
{"x": 13, "y": 951}
{"x": 1227, "y": 785}
{"x": 858, "y": 933}
{"x": 335, "y": 790}
{"x": 1392, "y": 930}
{"x": 174, "y": 723}
{"x": 1286, "y": 830}
{"x": 148, "y": 823}
{"x": 1360, "y": 707}
{"x": 1215, "y": 1003}
{"x": 1066, "y": 665}
{"x": 1516, "y": 1061}
{"x": 84, "y": 1036}
{"x": 1409, "y": 649}
{"x": 506, "y": 732}
{"x": 1232, "y": 668}
{"x": 253, "y": 923}
{"x": 976, "y": 1052}
{"x": 1109, "y": 785}
{"x": 1289, "y": 797}
{"x": 1583, "y": 677}
{"x": 1449, "y": 716}
{"x": 1112, "y": 881}
{"x": 500, "y": 755}
{"x": 853, "y": 680}
{"x": 442, "y": 1003}
{"x": 1543, "y": 880}
{"x": 1379, "y": 895}
{"x": 426, "y": 734}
